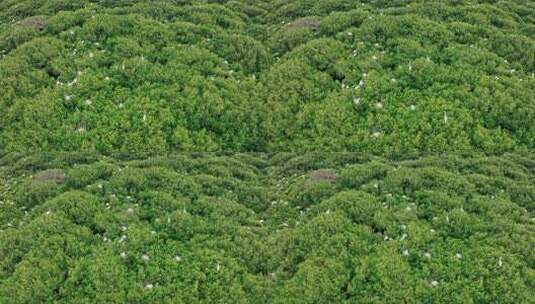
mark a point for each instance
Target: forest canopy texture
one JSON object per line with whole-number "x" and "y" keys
{"x": 302, "y": 75}
{"x": 267, "y": 151}
{"x": 283, "y": 228}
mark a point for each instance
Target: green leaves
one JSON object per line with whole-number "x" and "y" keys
{"x": 274, "y": 228}
{"x": 131, "y": 78}
{"x": 300, "y": 76}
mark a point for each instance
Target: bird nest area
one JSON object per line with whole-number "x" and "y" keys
{"x": 268, "y": 76}
{"x": 274, "y": 151}
{"x": 273, "y": 228}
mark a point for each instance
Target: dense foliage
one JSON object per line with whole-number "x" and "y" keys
{"x": 302, "y": 75}
{"x": 177, "y": 151}
{"x": 284, "y": 228}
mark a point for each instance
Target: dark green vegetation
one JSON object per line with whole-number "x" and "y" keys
{"x": 122, "y": 124}
{"x": 320, "y": 228}
{"x": 303, "y": 75}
